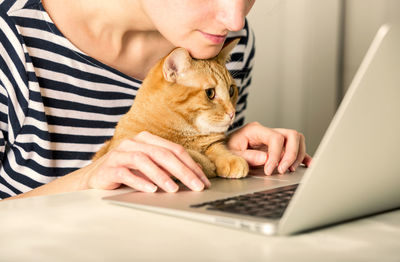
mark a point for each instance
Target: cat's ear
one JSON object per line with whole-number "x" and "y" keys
{"x": 223, "y": 56}
{"x": 176, "y": 63}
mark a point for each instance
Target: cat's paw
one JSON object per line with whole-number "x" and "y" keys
{"x": 232, "y": 166}
{"x": 206, "y": 164}
{"x": 209, "y": 171}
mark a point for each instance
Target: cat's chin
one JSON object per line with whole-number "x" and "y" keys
{"x": 213, "y": 130}
{"x": 206, "y": 127}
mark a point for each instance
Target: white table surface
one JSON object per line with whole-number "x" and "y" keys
{"x": 81, "y": 227}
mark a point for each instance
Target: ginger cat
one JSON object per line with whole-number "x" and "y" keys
{"x": 192, "y": 103}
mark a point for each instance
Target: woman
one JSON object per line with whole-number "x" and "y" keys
{"x": 70, "y": 69}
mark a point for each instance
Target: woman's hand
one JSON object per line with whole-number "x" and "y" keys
{"x": 145, "y": 163}
{"x": 274, "y": 148}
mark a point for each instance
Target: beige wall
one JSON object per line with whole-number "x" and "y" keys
{"x": 298, "y": 52}
{"x": 363, "y": 18}
{"x": 295, "y": 76}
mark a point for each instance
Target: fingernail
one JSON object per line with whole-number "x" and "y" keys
{"x": 283, "y": 167}
{"x": 202, "y": 176}
{"x": 171, "y": 186}
{"x": 197, "y": 185}
{"x": 206, "y": 182}
{"x": 262, "y": 158}
{"x": 269, "y": 170}
{"x": 150, "y": 188}
{"x": 295, "y": 166}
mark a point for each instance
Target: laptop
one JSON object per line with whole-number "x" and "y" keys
{"x": 355, "y": 170}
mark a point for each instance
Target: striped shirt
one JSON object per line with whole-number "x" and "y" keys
{"x": 58, "y": 105}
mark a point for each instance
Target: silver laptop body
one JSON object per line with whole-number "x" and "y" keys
{"x": 355, "y": 171}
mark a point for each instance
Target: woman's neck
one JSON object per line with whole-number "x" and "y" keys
{"x": 117, "y": 33}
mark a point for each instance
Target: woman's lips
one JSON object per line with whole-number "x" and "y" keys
{"x": 216, "y": 39}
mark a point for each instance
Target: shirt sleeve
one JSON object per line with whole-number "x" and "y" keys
{"x": 14, "y": 93}
{"x": 240, "y": 66}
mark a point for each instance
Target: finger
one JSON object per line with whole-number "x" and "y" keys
{"x": 140, "y": 161}
{"x": 307, "y": 160}
{"x": 169, "y": 162}
{"x": 275, "y": 147}
{"x": 178, "y": 150}
{"x": 253, "y": 157}
{"x": 255, "y": 135}
{"x": 252, "y": 135}
{"x": 129, "y": 178}
{"x": 293, "y": 140}
{"x": 301, "y": 155}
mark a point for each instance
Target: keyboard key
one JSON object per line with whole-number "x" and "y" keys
{"x": 267, "y": 204}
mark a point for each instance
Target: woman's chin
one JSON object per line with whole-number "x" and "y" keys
{"x": 205, "y": 52}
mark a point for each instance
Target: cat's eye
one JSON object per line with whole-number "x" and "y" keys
{"x": 210, "y": 92}
{"x": 231, "y": 90}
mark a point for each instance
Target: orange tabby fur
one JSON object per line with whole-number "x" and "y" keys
{"x": 172, "y": 103}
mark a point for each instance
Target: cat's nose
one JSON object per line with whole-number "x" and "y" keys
{"x": 231, "y": 114}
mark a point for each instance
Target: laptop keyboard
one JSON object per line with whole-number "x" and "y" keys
{"x": 266, "y": 204}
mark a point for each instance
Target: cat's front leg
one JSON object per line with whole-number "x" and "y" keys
{"x": 206, "y": 164}
{"x": 228, "y": 164}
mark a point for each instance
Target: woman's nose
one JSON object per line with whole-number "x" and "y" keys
{"x": 232, "y": 14}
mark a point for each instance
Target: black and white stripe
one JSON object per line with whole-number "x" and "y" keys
{"x": 58, "y": 105}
